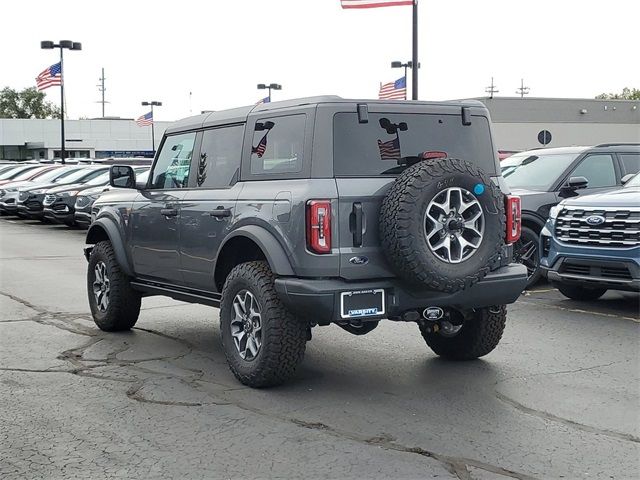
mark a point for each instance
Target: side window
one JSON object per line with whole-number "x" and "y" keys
{"x": 278, "y": 145}
{"x": 174, "y": 160}
{"x": 220, "y": 155}
{"x": 631, "y": 162}
{"x": 598, "y": 169}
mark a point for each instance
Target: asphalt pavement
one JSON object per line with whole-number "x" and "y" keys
{"x": 558, "y": 398}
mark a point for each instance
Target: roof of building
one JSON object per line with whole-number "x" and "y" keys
{"x": 561, "y": 110}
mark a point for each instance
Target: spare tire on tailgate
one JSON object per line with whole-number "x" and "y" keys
{"x": 442, "y": 224}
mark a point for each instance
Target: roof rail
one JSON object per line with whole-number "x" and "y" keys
{"x": 618, "y": 145}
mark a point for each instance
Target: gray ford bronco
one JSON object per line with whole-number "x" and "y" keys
{"x": 315, "y": 211}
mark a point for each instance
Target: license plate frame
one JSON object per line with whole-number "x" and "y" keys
{"x": 362, "y": 303}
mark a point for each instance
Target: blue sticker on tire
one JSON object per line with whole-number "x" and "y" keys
{"x": 478, "y": 189}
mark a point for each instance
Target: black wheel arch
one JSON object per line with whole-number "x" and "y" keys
{"x": 532, "y": 220}
{"x": 248, "y": 243}
{"x": 105, "y": 229}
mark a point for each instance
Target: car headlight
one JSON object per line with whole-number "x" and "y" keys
{"x": 554, "y": 211}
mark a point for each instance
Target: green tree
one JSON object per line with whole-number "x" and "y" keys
{"x": 627, "y": 94}
{"x": 29, "y": 103}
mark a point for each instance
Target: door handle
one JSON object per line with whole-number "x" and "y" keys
{"x": 169, "y": 212}
{"x": 220, "y": 212}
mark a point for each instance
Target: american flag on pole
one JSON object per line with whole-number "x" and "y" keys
{"x": 144, "y": 120}
{"x": 389, "y": 150}
{"x": 263, "y": 100}
{"x": 261, "y": 147}
{"x": 394, "y": 90}
{"x": 49, "y": 77}
{"x": 374, "y": 3}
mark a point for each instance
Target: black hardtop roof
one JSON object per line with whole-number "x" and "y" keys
{"x": 239, "y": 115}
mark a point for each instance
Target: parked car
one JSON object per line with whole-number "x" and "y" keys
{"x": 591, "y": 244}
{"x": 86, "y": 198}
{"x": 543, "y": 177}
{"x": 9, "y": 192}
{"x": 314, "y": 211}
{"x": 23, "y": 172}
{"x": 59, "y": 203}
{"x": 30, "y": 201}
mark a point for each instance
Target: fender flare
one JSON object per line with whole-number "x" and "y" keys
{"x": 272, "y": 249}
{"x": 533, "y": 218}
{"x": 113, "y": 233}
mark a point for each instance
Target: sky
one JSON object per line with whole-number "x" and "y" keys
{"x": 219, "y": 50}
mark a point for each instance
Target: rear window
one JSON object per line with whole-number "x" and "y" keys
{"x": 389, "y": 142}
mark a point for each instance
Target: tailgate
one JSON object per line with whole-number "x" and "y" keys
{"x": 359, "y": 201}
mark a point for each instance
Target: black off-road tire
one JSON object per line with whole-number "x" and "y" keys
{"x": 479, "y": 335}
{"x": 124, "y": 302}
{"x": 284, "y": 336}
{"x": 578, "y": 292}
{"x": 402, "y": 224}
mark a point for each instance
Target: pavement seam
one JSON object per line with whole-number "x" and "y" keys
{"x": 570, "y": 423}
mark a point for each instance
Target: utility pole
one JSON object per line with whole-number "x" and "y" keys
{"x": 102, "y": 89}
{"x": 522, "y": 91}
{"x": 491, "y": 89}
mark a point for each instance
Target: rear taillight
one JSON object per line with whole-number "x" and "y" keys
{"x": 514, "y": 218}
{"x": 319, "y": 226}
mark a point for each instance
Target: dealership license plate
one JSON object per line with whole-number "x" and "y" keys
{"x": 363, "y": 303}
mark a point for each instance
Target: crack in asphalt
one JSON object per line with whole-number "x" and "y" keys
{"x": 458, "y": 466}
{"x": 570, "y": 423}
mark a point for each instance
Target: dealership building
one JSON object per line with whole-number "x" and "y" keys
{"x": 26, "y": 139}
{"x": 518, "y": 124}
{"x": 527, "y": 123}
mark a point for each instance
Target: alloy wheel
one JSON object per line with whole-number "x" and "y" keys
{"x": 101, "y": 286}
{"x": 246, "y": 325}
{"x": 454, "y": 225}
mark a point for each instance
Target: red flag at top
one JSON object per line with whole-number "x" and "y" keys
{"x": 374, "y": 3}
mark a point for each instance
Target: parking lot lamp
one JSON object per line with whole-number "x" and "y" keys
{"x": 62, "y": 44}
{"x": 271, "y": 86}
{"x": 152, "y": 103}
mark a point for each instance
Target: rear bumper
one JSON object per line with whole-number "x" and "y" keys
{"x": 319, "y": 300}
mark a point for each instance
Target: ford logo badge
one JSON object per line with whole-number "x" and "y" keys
{"x": 359, "y": 260}
{"x": 595, "y": 220}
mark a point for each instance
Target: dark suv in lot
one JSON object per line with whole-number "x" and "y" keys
{"x": 544, "y": 177}
{"x": 315, "y": 211}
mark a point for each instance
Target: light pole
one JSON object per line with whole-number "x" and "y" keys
{"x": 62, "y": 44}
{"x": 409, "y": 64}
{"x": 152, "y": 103}
{"x": 271, "y": 86}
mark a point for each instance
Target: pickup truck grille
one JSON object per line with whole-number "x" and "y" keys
{"x": 621, "y": 228}
{"x": 49, "y": 199}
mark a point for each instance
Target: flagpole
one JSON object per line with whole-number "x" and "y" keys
{"x": 62, "y": 150}
{"x": 414, "y": 70}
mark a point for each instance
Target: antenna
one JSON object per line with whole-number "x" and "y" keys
{"x": 491, "y": 89}
{"x": 102, "y": 89}
{"x": 522, "y": 91}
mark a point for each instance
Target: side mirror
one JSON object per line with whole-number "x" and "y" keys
{"x": 627, "y": 177}
{"x": 122, "y": 176}
{"x": 576, "y": 183}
